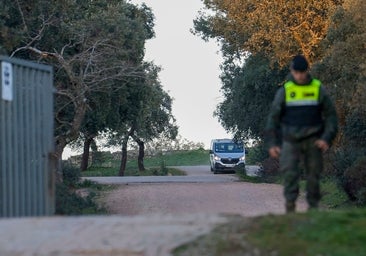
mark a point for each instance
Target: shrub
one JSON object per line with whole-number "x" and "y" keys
{"x": 347, "y": 164}
{"x": 162, "y": 170}
{"x": 71, "y": 174}
{"x": 341, "y": 160}
{"x": 90, "y": 184}
{"x": 354, "y": 181}
{"x": 69, "y": 203}
{"x": 257, "y": 154}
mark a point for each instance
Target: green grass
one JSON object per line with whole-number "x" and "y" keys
{"x": 327, "y": 233}
{"x": 335, "y": 233}
{"x": 334, "y": 197}
{"x": 153, "y": 164}
{"x": 181, "y": 158}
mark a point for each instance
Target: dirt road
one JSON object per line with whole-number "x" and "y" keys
{"x": 232, "y": 197}
{"x": 158, "y": 217}
{"x": 153, "y": 235}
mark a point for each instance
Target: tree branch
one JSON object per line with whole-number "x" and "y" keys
{"x": 22, "y": 15}
{"x": 33, "y": 39}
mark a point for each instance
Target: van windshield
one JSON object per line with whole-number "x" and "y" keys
{"x": 229, "y": 148}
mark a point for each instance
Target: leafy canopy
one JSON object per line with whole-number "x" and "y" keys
{"x": 278, "y": 28}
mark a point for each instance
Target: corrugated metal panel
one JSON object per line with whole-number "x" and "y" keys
{"x": 26, "y": 142}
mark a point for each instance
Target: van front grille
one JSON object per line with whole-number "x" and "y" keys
{"x": 230, "y": 160}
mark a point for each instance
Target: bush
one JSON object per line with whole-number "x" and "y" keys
{"x": 347, "y": 164}
{"x": 354, "y": 181}
{"x": 71, "y": 174}
{"x": 162, "y": 171}
{"x": 257, "y": 154}
{"x": 101, "y": 158}
{"x": 68, "y": 202}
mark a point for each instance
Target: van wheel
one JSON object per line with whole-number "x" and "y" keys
{"x": 212, "y": 170}
{"x": 216, "y": 172}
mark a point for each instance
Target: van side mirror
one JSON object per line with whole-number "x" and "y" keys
{"x": 211, "y": 152}
{"x": 246, "y": 152}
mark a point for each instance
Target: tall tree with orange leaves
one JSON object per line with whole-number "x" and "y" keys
{"x": 278, "y": 28}
{"x": 266, "y": 34}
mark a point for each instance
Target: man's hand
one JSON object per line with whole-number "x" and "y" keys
{"x": 274, "y": 152}
{"x": 322, "y": 145}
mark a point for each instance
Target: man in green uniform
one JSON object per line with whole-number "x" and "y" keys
{"x": 301, "y": 125}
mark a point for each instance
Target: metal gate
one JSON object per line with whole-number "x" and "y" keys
{"x": 26, "y": 139}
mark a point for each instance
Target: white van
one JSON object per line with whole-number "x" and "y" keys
{"x": 227, "y": 155}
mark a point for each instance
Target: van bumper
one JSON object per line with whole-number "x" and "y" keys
{"x": 218, "y": 166}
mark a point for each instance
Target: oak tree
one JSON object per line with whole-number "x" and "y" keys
{"x": 93, "y": 45}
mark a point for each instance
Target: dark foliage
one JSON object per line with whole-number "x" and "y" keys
{"x": 354, "y": 181}
{"x": 248, "y": 93}
{"x": 68, "y": 202}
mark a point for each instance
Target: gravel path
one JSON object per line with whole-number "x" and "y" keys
{"x": 162, "y": 179}
{"x": 157, "y": 218}
{"x": 195, "y": 174}
{"x": 246, "y": 199}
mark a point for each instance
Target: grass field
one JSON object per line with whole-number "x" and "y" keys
{"x": 180, "y": 158}
{"x": 335, "y": 233}
{"x": 154, "y": 164}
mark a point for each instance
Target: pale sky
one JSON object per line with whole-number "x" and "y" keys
{"x": 190, "y": 68}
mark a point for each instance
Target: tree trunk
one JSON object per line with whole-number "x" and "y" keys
{"x": 60, "y": 146}
{"x": 122, "y": 168}
{"x": 86, "y": 151}
{"x": 140, "y": 159}
{"x": 66, "y": 138}
{"x": 96, "y": 155}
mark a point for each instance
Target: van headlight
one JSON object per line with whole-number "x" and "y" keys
{"x": 242, "y": 158}
{"x": 216, "y": 158}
